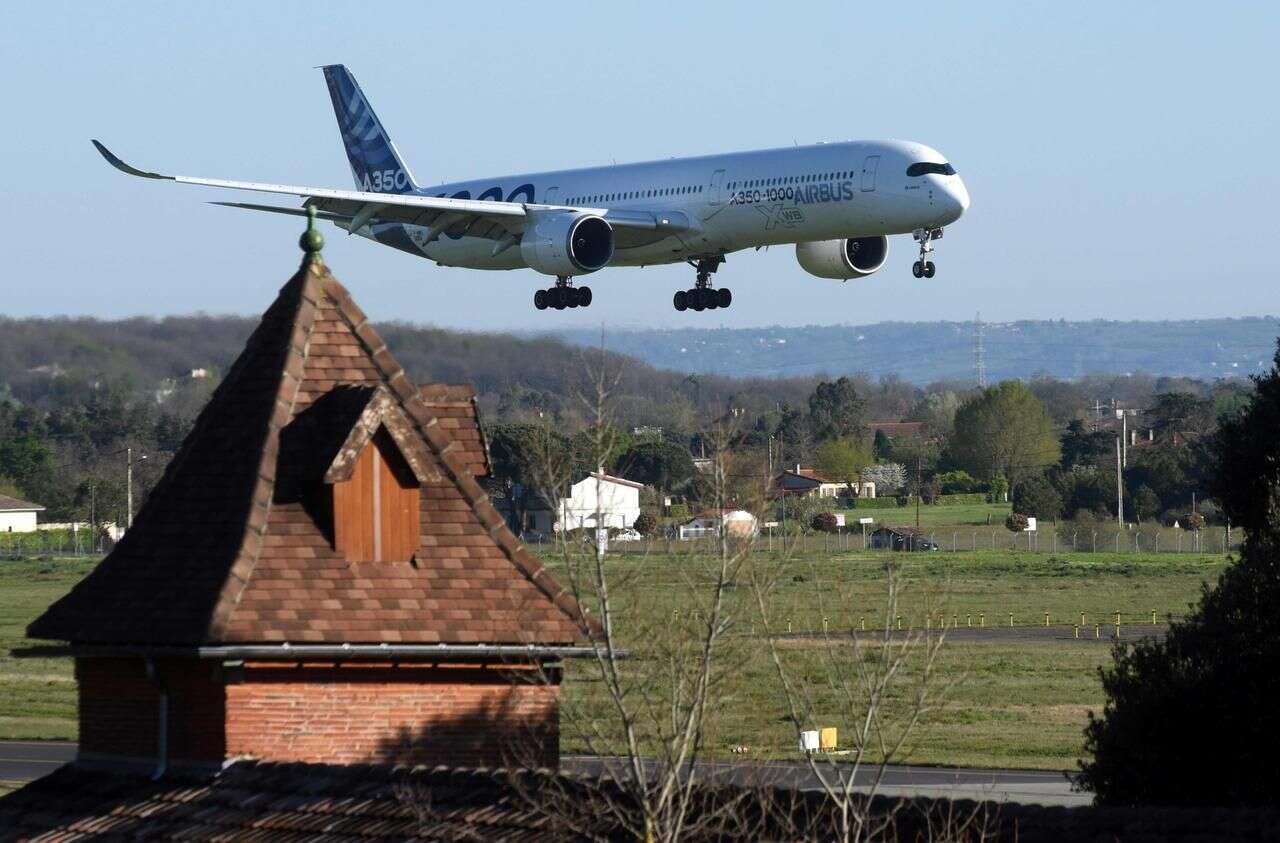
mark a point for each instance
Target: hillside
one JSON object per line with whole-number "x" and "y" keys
{"x": 922, "y": 352}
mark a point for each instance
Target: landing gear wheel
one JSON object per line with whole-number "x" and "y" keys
{"x": 928, "y": 269}
{"x": 917, "y": 269}
{"x": 697, "y": 300}
{"x": 584, "y": 297}
{"x": 571, "y": 298}
{"x": 724, "y": 298}
{"x": 540, "y": 299}
{"x": 680, "y": 301}
{"x": 556, "y": 297}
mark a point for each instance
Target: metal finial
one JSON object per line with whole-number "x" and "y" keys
{"x": 311, "y": 241}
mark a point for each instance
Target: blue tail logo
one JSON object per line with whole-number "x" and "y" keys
{"x": 375, "y": 163}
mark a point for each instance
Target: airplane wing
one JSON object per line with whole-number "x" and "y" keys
{"x": 478, "y": 218}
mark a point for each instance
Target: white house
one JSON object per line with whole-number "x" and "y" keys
{"x": 615, "y": 499}
{"x": 18, "y": 516}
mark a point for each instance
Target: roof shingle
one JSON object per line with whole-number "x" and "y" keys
{"x": 233, "y": 545}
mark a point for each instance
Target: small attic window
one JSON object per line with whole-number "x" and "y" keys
{"x": 376, "y": 508}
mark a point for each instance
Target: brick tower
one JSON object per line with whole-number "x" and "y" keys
{"x": 318, "y": 577}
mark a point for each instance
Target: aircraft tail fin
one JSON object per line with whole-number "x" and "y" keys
{"x": 375, "y": 163}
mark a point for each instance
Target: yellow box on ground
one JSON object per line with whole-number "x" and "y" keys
{"x": 827, "y": 739}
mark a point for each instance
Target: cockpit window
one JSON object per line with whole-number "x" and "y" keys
{"x": 924, "y": 168}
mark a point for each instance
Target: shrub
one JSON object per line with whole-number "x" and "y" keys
{"x": 678, "y": 510}
{"x": 998, "y": 489}
{"x": 646, "y": 525}
{"x": 824, "y": 522}
{"x": 1211, "y": 511}
{"x": 1193, "y": 521}
{"x": 1016, "y": 522}
{"x": 958, "y": 483}
{"x": 1036, "y": 496}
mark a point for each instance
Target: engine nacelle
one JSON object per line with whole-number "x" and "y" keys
{"x": 563, "y": 243}
{"x": 851, "y": 257}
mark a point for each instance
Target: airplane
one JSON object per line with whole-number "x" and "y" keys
{"x": 838, "y": 203}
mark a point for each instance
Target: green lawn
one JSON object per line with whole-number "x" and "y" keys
{"x": 37, "y": 696}
{"x": 1015, "y": 704}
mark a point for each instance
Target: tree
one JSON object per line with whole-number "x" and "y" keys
{"x": 1003, "y": 430}
{"x": 836, "y": 411}
{"x": 1037, "y": 497}
{"x": 1212, "y": 678}
{"x": 1146, "y": 504}
{"x": 938, "y": 412}
{"x": 841, "y": 459}
{"x": 665, "y": 466}
{"x": 881, "y": 445}
{"x": 888, "y": 476}
{"x": 646, "y": 525}
{"x": 1084, "y": 447}
{"x": 529, "y": 461}
{"x": 1180, "y": 412}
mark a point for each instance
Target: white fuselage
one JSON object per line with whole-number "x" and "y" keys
{"x": 731, "y": 202}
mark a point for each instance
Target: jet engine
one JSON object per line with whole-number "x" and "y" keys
{"x": 851, "y": 257}
{"x": 566, "y": 244}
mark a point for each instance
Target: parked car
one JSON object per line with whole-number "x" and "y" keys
{"x": 627, "y": 535}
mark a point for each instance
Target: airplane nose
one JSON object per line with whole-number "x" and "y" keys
{"x": 957, "y": 198}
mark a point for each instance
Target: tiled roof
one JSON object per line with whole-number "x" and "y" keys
{"x": 233, "y": 544}
{"x": 293, "y": 803}
{"x": 455, "y": 409}
{"x": 272, "y": 802}
{"x": 8, "y": 504}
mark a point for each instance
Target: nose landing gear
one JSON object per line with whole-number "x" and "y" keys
{"x": 562, "y": 295}
{"x": 703, "y": 296}
{"x": 923, "y": 268}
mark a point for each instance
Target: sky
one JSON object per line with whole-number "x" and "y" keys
{"x": 1120, "y": 156}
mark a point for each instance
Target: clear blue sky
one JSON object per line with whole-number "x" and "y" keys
{"x": 1121, "y": 156}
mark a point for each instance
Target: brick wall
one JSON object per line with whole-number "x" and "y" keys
{"x": 457, "y": 715}
{"x": 120, "y": 704}
{"x": 465, "y": 715}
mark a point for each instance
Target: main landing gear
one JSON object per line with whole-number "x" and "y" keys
{"x": 703, "y": 296}
{"x": 562, "y": 295}
{"x": 924, "y": 268}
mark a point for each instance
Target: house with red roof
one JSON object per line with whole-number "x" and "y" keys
{"x": 319, "y": 577}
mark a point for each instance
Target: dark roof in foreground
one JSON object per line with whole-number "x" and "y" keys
{"x": 257, "y": 801}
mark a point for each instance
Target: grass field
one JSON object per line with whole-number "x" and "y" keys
{"x": 37, "y": 696}
{"x": 1018, "y": 705}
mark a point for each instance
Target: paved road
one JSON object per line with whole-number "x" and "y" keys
{"x": 26, "y": 760}
{"x": 22, "y": 761}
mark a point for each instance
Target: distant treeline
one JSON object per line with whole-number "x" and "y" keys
{"x": 74, "y": 393}
{"x": 925, "y": 352}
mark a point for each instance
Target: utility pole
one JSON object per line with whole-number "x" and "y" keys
{"x": 919, "y": 490}
{"x": 128, "y": 482}
{"x": 1119, "y": 488}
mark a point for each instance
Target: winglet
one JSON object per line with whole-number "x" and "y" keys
{"x": 123, "y": 167}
